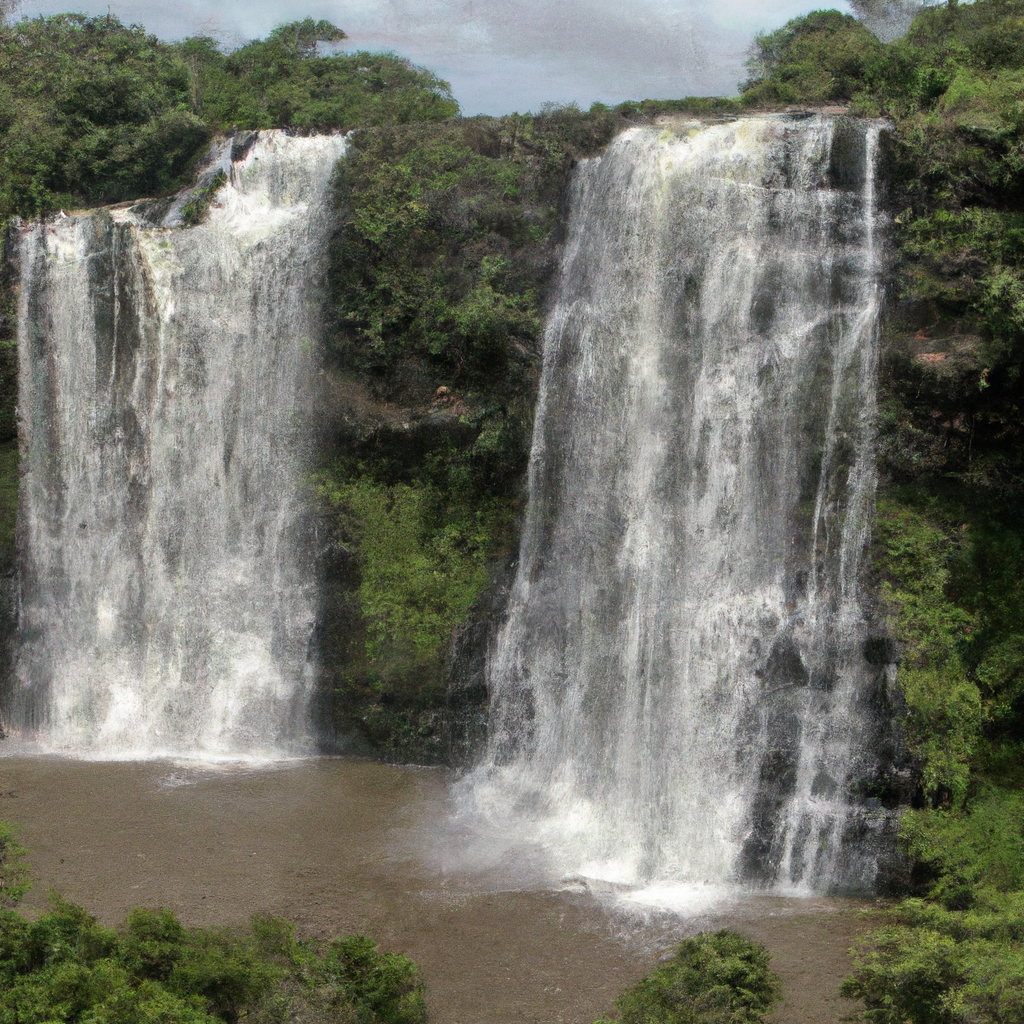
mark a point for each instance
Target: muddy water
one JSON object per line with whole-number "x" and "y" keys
{"x": 343, "y": 846}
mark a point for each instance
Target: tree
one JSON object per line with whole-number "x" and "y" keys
{"x": 301, "y": 37}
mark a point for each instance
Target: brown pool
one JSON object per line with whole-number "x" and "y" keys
{"x": 344, "y": 845}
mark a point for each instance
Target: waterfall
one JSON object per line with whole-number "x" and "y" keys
{"x": 166, "y": 375}
{"x": 679, "y": 694}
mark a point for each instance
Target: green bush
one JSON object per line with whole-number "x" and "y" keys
{"x": 713, "y": 978}
{"x": 820, "y": 58}
{"x": 951, "y": 577}
{"x": 66, "y": 967}
{"x": 944, "y": 706}
{"x": 942, "y": 968}
{"x": 14, "y": 873}
{"x": 421, "y": 565}
{"x": 962, "y": 857}
{"x": 198, "y": 203}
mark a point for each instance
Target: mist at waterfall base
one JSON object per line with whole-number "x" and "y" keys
{"x": 680, "y": 702}
{"x": 680, "y": 705}
{"x": 167, "y": 595}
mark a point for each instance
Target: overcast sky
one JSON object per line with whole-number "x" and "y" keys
{"x": 506, "y": 55}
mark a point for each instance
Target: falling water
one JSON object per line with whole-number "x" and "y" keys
{"x": 679, "y": 693}
{"x": 167, "y": 593}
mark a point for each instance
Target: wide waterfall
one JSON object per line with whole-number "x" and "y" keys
{"x": 680, "y": 694}
{"x": 167, "y": 591}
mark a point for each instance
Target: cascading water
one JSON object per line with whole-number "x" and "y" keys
{"x": 167, "y": 591}
{"x": 679, "y": 693}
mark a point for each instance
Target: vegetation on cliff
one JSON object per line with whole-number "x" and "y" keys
{"x": 952, "y": 88}
{"x": 438, "y": 277}
{"x": 93, "y": 111}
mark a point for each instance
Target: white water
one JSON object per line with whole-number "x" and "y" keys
{"x": 168, "y": 594}
{"x": 679, "y": 694}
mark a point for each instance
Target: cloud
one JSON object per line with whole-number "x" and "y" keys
{"x": 503, "y": 55}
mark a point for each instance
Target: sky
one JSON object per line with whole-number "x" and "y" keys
{"x": 506, "y": 55}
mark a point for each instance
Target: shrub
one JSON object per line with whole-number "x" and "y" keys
{"x": 14, "y": 873}
{"x": 940, "y": 968}
{"x": 67, "y": 967}
{"x": 713, "y": 978}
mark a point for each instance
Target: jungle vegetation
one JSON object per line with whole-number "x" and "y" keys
{"x": 445, "y": 247}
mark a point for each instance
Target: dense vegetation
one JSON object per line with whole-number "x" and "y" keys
{"x": 439, "y": 272}
{"x": 95, "y": 111}
{"x": 713, "y": 978}
{"x": 950, "y": 529}
{"x": 65, "y": 968}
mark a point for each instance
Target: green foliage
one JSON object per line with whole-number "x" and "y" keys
{"x": 944, "y": 706}
{"x": 281, "y": 82}
{"x": 198, "y": 203}
{"x": 14, "y": 873}
{"x": 713, "y": 978}
{"x": 422, "y": 562}
{"x": 820, "y": 58}
{"x": 410, "y": 279}
{"x": 66, "y": 967}
{"x": 94, "y": 111}
{"x": 940, "y": 967}
{"x": 437, "y": 280}
{"x": 90, "y": 110}
{"x": 951, "y": 565}
{"x": 953, "y": 87}
{"x": 962, "y": 857}
{"x": 443, "y": 254}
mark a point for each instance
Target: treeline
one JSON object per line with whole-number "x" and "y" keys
{"x": 94, "y": 111}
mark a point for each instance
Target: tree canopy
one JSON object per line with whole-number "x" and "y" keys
{"x": 92, "y": 110}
